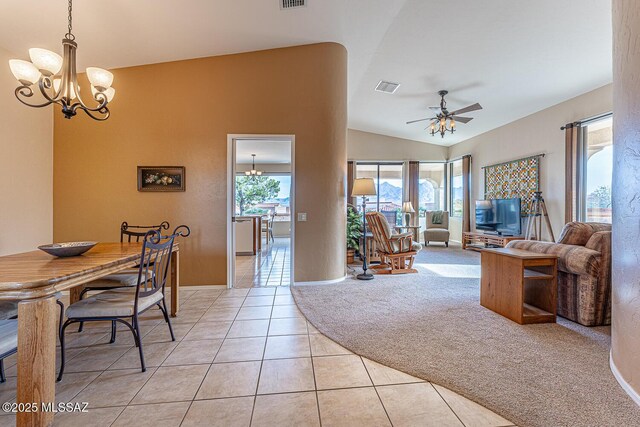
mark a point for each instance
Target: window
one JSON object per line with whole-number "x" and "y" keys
{"x": 432, "y": 189}
{"x": 389, "y": 188}
{"x": 265, "y": 194}
{"x": 455, "y": 207}
{"x": 598, "y": 170}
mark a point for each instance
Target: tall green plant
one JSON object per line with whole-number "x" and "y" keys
{"x": 354, "y": 228}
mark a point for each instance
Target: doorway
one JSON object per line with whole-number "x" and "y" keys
{"x": 260, "y": 227}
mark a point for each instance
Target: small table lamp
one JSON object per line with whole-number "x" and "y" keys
{"x": 364, "y": 187}
{"x": 407, "y": 208}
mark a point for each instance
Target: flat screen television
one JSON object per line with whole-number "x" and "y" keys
{"x": 500, "y": 216}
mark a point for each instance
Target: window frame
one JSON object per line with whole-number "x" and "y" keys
{"x": 451, "y": 187}
{"x": 583, "y": 156}
{"x": 445, "y": 167}
{"x": 377, "y": 178}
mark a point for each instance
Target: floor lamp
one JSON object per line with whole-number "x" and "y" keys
{"x": 364, "y": 187}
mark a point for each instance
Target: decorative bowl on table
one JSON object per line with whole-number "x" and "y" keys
{"x": 67, "y": 249}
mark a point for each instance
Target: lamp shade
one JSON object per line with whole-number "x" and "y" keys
{"x": 363, "y": 187}
{"x": 407, "y": 207}
{"x": 101, "y": 79}
{"x": 24, "y": 71}
{"x": 47, "y": 62}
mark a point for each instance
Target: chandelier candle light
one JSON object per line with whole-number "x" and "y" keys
{"x": 57, "y": 79}
{"x": 253, "y": 171}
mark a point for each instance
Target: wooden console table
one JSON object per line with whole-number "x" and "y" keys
{"x": 477, "y": 241}
{"x": 520, "y": 285}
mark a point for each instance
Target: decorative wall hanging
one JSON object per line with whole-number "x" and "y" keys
{"x": 517, "y": 178}
{"x": 161, "y": 178}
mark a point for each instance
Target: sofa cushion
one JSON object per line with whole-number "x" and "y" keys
{"x": 579, "y": 233}
{"x": 571, "y": 258}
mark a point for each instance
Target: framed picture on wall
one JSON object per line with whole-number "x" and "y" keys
{"x": 161, "y": 178}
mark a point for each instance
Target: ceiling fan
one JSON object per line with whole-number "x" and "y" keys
{"x": 442, "y": 115}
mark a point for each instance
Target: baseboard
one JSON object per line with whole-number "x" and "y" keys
{"x": 635, "y": 396}
{"x": 201, "y": 287}
{"x": 321, "y": 282}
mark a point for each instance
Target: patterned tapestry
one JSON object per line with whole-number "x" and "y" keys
{"x": 519, "y": 178}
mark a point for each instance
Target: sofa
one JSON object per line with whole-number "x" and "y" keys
{"x": 437, "y": 232}
{"x": 584, "y": 271}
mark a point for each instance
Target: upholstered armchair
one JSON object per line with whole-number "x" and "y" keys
{"x": 584, "y": 271}
{"x": 437, "y": 232}
{"x": 397, "y": 251}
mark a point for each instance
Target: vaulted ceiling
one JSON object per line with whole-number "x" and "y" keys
{"x": 514, "y": 57}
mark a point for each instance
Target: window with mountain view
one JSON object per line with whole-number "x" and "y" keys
{"x": 432, "y": 192}
{"x": 598, "y": 152}
{"x": 388, "y": 181}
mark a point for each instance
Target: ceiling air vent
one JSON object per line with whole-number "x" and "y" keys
{"x": 290, "y": 4}
{"x": 386, "y": 87}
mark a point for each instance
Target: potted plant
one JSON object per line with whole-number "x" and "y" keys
{"x": 354, "y": 231}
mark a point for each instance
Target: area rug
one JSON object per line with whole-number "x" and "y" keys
{"x": 432, "y": 326}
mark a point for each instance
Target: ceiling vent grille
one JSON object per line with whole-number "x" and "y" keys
{"x": 290, "y": 4}
{"x": 387, "y": 87}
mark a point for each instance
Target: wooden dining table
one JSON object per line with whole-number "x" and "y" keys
{"x": 34, "y": 278}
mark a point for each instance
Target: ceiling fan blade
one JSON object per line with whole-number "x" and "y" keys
{"x": 420, "y": 120}
{"x": 435, "y": 108}
{"x": 462, "y": 119}
{"x": 468, "y": 109}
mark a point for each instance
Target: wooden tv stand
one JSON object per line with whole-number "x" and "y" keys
{"x": 477, "y": 241}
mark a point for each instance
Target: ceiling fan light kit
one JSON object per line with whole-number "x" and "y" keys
{"x": 57, "y": 79}
{"x": 445, "y": 121}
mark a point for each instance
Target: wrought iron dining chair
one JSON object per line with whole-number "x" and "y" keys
{"x": 127, "y": 278}
{"x": 267, "y": 228}
{"x": 120, "y": 305}
{"x": 9, "y": 330}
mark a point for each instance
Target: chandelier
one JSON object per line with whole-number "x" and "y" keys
{"x": 442, "y": 126}
{"x": 57, "y": 80}
{"x": 444, "y": 120}
{"x": 253, "y": 171}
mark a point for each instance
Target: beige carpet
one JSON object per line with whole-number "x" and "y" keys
{"x": 431, "y": 325}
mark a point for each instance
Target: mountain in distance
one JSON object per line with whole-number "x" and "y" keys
{"x": 389, "y": 193}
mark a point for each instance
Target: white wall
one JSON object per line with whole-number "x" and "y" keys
{"x": 370, "y": 146}
{"x": 534, "y": 134}
{"x": 26, "y": 169}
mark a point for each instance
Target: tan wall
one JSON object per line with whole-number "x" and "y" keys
{"x": 26, "y": 162}
{"x": 180, "y": 113}
{"x": 371, "y": 146}
{"x": 534, "y": 134}
{"x": 625, "y": 339}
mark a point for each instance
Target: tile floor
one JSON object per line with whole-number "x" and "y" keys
{"x": 269, "y": 268}
{"x": 243, "y": 357}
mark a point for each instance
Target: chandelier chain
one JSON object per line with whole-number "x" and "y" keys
{"x": 69, "y": 35}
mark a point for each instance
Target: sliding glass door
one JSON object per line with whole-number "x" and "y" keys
{"x": 388, "y": 180}
{"x": 432, "y": 190}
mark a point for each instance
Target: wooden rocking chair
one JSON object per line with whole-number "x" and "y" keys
{"x": 396, "y": 250}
